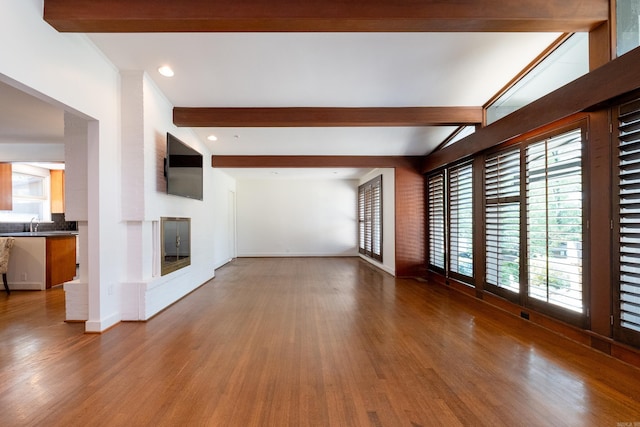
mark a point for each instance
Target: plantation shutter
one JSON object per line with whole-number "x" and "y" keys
{"x": 554, "y": 220}
{"x": 376, "y": 219}
{"x": 361, "y": 220}
{"x": 502, "y": 220}
{"x": 629, "y": 202}
{"x": 461, "y": 220}
{"x": 370, "y": 218}
{"x": 436, "y": 221}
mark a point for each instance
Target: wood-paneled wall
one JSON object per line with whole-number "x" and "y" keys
{"x": 410, "y": 223}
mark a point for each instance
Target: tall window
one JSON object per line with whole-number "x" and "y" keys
{"x": 461, "y": 219}
{"x": 533, "y": 208}
{"x": 554, "y": 220}
{"x": 502, "y": 220}
{"x": 628, "y": 298}
{"x": 436, "y": 221}
{"x": 370, "y": 218}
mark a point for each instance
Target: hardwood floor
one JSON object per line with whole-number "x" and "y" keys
{"x": 305, "y": 342}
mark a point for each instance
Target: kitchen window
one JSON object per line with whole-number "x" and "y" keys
{"x": 31, "y": 195}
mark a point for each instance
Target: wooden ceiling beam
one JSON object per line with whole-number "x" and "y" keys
{"x": 326, "y": 117}
{"x": 117, "y": 16}
{"x": 408, "y": 162}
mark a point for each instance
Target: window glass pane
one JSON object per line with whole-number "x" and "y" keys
{"x": 502, "y": 219}
{"x": 23, "y": 211}
{"x": 554, "y": 220}
{"x": 436, "y": 221}
{"x": 565, "y": 64}
{"x": 24, "y": 185}
{"x": 627, "y": 25}
{"x": 629, "y": 201}
{"x": 461, "y": 220}
{"x": 462, "y": 132}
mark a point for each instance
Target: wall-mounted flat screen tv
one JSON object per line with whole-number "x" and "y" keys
{"x": 183, "y": 169}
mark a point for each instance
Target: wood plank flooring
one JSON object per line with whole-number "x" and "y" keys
{"x": 305, "y": 342}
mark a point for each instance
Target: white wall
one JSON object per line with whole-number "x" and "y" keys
{"x": 284, "y": 217}
{"x": 147, "y": 117}
{"x": 223, "y": 216}
{"x": 388, "y": 219}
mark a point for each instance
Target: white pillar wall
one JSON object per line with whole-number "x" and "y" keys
{"x": 76, "y": 142}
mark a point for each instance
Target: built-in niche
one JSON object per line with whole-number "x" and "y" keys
{"x": 176, "y": 244}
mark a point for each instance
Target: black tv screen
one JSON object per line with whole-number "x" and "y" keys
{"x": 183, "y": 169}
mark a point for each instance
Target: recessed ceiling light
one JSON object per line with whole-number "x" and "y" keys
{"x": 212, "y": 138}
{"x": 166, "y": 71}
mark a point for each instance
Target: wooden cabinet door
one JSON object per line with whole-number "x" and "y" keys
{"x": 57, "y": 191}
{"x": 6, "y": 194}
{"x": 60, "y": 260}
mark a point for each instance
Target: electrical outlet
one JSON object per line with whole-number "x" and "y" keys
{"x": 110, "y": 289}
{"x": 24, "y": 277}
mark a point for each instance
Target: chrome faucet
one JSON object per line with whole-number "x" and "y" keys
{"x": 33, "y": 229}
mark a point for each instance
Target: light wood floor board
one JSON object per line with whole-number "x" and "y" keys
{"x": 305, "y": 342}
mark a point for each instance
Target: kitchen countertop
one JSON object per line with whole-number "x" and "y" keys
{"x": 40, "y": 234}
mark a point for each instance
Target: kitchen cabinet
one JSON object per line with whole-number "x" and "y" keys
{"x": 60, "y": 266}
{"x": 41, "y": 260}
{"x": 57, "y": 191}
{"x": 6, "y": 195}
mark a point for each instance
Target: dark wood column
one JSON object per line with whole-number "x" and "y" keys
{"x": 410, "y": 223}
{"x": 599, "y": 211}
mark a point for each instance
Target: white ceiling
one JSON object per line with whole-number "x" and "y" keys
{"x": 26, "y": 119}
{"x": 305, "y": 70}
